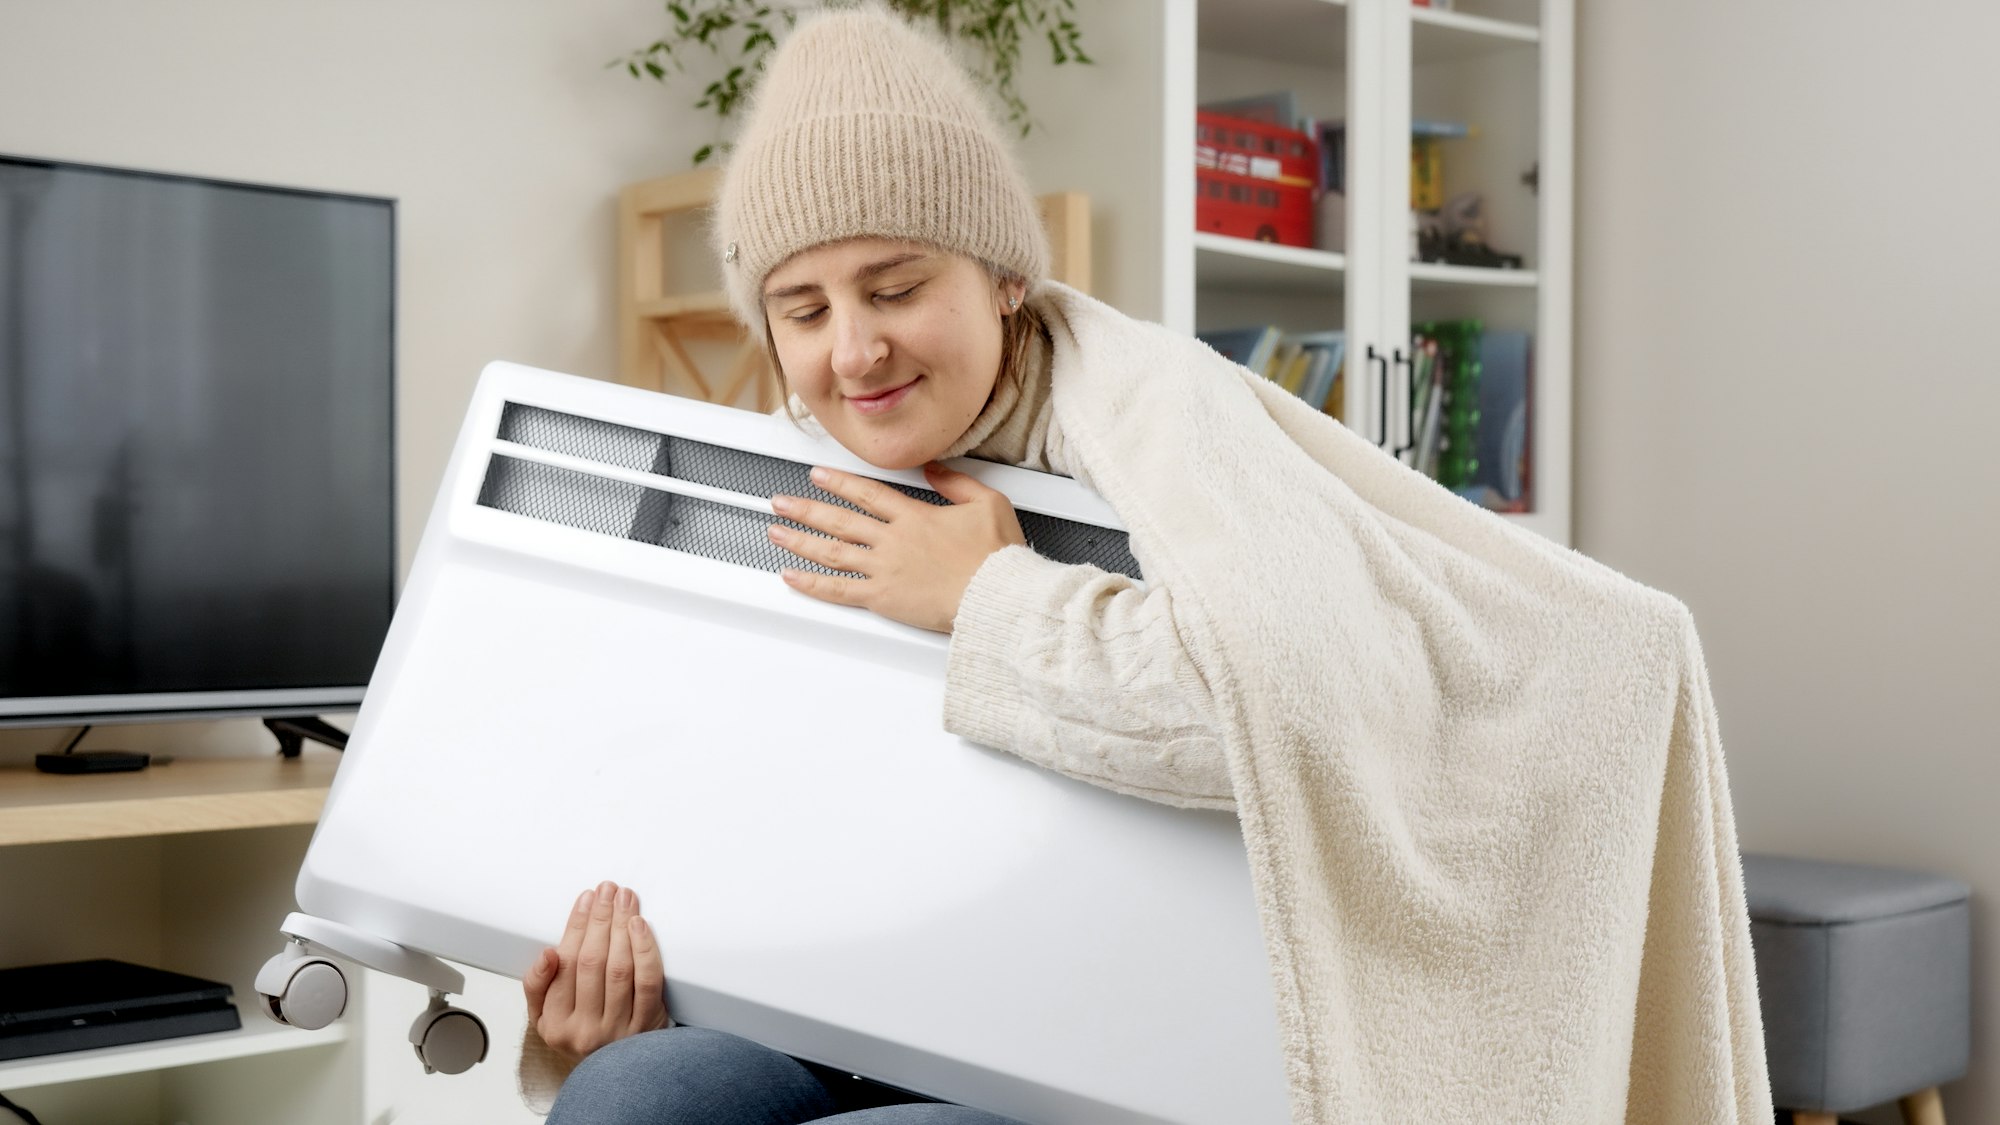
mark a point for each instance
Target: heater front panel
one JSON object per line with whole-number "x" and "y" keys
{"x": 564, "y": 701}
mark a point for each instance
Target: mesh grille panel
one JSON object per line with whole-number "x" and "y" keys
{"x": 587, "y": 438}
{"x": 700, "y": 527}
{"x": 1067, "y": 541}
{"x": 628, "y": 511}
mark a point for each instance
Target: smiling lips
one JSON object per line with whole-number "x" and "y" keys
{"x": 884, "y": 402}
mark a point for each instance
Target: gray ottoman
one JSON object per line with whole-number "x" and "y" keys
{"x": 1864, "y": 979}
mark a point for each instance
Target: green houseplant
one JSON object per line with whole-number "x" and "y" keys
{"x": 743, "y": 33}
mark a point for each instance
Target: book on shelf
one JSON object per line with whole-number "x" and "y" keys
{"x": 1503, "y": 440}
{"x": 1332, "y": 137}
{"x": 1251, "y": 347}
{"x": 1327, "y": 350}
{"x": 1433, "y": 128}
{"x": 1288, "y": 366}
{"x": 1426, "y": 408}
{"x": 1427, "y": 161}
{"x": 1306, "y": 364}
{"x": 1330, "y": 185}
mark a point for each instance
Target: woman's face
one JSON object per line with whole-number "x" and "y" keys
{"x": 893, "y": 346}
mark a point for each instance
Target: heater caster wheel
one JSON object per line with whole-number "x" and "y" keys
{"x": 302, "y": 990}
{"x": 448, "y": 1040}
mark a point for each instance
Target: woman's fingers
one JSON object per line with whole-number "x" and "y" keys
{"x": 834, "y": 520}
{"x": 649, "y": 978}
{"x": 618, "y": 970}
{"x": 830, "y": 553}
{"x": 957, "y": 487}
{"x": 562, "y": 991}
{"x": 592, "y": 956}
{"x": 866, "y": 493}
{"x": 827, "y": 587}
{"x": 540, "y": 976}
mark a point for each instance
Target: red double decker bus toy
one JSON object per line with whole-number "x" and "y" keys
{"x": 1254, "y": 180}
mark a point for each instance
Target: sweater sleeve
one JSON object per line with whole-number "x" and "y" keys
{"x": 542, "y": 1072}
{"x": 1086, "y": 673}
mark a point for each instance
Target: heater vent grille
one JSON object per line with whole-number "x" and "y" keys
{"x": 699, "y": 527}
{"x": 703, "y": 527}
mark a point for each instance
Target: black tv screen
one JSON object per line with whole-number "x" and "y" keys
{"x": 196, "y": 479}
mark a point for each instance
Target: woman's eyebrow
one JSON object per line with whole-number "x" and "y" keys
{"x": 860, "y": 275}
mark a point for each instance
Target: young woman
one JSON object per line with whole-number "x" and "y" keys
{"x": 904, "y": 327}
{"x": 1459, "y": 753}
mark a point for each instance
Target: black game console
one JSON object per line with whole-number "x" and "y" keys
{"x": 77, "y": 1005}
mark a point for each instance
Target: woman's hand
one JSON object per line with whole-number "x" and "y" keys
{"x": 603, "y": 983}
{"x": 914, "y": 559}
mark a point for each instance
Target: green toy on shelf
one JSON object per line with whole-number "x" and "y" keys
{"x": 1444, "y": 401}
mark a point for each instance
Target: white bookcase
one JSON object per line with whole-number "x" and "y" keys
{"x": 1503, "y": 67}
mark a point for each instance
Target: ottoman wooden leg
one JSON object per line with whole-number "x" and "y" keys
{"x": 1924, "y": 1107}
{"x": 1802, "y": 1117}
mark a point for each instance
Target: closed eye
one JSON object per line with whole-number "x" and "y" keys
{"x": 899, "y": 295}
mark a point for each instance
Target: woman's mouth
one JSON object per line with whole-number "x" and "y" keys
{"x": 884, "y": 402}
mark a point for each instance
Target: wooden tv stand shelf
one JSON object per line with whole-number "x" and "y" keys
{"x": 185, "y": 795}
{"x": 139, "y": 869}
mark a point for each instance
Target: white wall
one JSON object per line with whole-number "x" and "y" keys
{"x": 1787, "y": 407}
{"x": 504, "y": 139}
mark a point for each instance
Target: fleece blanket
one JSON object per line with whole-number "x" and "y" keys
{"x": 1479, "y": 774}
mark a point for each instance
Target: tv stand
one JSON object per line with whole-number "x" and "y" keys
{"x": 293, "y": 731}
{"x": 181, "y": 868}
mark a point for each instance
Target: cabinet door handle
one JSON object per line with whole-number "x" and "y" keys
{"x": 1406, "y": 361}
{"x": 1382, "y": 394}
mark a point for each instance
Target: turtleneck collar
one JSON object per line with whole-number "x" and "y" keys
{"x": 1014, "y": 424}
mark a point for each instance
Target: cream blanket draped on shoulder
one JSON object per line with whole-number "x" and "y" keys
{"x": 1478, "y": 774}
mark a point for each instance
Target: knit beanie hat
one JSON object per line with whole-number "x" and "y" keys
{"x": 864, "y": 126}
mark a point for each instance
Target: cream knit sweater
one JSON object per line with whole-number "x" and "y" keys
{"x": 1478, "y": 774}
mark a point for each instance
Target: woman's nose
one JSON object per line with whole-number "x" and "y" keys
{"x": 858, "y": 344}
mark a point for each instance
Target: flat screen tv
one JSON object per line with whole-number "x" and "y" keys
{"x": 196, "y": 434}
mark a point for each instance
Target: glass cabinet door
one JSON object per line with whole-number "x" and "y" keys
{"x": 1466, "y": 301}
{"x": 1391, "y": 178}
{"x": 1276, "y": 222}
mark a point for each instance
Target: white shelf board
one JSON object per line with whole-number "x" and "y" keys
{"x": 1434, "y": 273}
{"x": 1441, "y": 36}
{"x": 258, "y": 1036}
{"x": 1310, "y": 34}
{"x": 1221, "y": 262}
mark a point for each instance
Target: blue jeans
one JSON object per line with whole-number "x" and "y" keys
{"x": 695, "y": 1076}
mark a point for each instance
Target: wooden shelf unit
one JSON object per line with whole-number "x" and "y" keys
{"x": 189, "y": 866}
{"x": 186, "y": 795}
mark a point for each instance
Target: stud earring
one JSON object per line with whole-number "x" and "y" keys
{"x": 1013, "y": 302}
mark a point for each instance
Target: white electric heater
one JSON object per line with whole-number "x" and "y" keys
{"x": 595, "y": 673}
